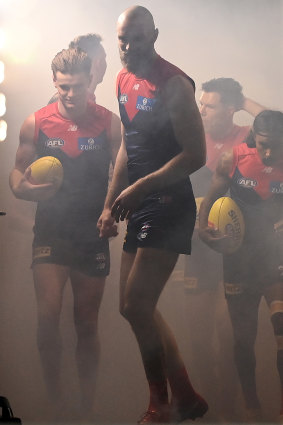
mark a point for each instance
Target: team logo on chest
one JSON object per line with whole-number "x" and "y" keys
{"x": 247, "y": 183}
{"x": 54, "y": 143}
{"x": 145, "y": 104}
{"x": 123, "y": 98}
{"x": 276, "y": 187}
{"x": 89, "y": 144}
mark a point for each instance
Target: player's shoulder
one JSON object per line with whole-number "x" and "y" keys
{"x": 243, "y": 150}
{"x": 98, "y": 110}
{"x": 166, "y": 71}
{"x": 122, "y": 75}
{"x": 47, "y": 111}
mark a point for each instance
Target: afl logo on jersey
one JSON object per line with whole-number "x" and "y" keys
{"x": 123, "y": 98}
{"x": 54, "y": 143}
{"x": 145, "y": 104}
{"x": 89, "y": 144}
{"x": 247, "y": 183}
{"x": 276, "y": 187}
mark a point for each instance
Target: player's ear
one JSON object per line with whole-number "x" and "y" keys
{"x": 156, "y": 32}
{"x": 54, "y": 81}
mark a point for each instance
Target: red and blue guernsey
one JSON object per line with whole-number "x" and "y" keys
{"x": 149, "y": 136}
{"x": 84, "y": 150}
{"x": 258, "y": 190}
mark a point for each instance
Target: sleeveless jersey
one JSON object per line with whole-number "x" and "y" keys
{"x": 258, "y": 190}
{"x": 84, "y": 151}
{"x": 201, "y": 178}
{"x": 149, "y": 135}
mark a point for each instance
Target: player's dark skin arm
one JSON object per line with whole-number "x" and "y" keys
{"x": 219, "y": 187}
{"x": 187, "y": 124}
{"x": 20, "y": 175}
{"x": 119, "y": 182}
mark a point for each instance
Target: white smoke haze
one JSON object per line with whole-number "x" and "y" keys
{"x": 241, "y": 39}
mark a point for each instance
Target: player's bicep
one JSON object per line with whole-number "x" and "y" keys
{"x": 26, "y": 150}
{"x": 185, "y": 116}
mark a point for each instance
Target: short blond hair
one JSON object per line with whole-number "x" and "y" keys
{"x": 71, "y": 61}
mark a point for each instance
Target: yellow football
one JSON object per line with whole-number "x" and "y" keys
{"x": 226, "y": 216}
{"x": 47, "y": 169}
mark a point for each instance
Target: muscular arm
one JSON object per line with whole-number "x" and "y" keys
{"x": 118, "y": 183}
{"x": 219, "y": 186}
{"x": 20, "y": 175}
{"x": 188, "y": 129}
{"x": 251, "y": 107}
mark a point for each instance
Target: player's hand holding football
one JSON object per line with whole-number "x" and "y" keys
{"x": 34, "y": 192}
{"x": 215, "y": 239}
{"x": 106, "y": 224}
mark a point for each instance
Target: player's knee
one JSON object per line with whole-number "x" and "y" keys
{"x": 276, "y": 312}
{"x": 86, "y": 329}
{"x": 48, "y": 337}
{"x": 133, "y": 313}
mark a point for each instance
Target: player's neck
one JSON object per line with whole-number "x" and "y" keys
{"x": 72, "y": 113}
{"x": 223, "y": 132}
{"x": 146, "y": 66}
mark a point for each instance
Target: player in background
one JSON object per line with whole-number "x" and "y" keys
{"x": 253, "y": 172}
{"x": 91, "y": 45}
{"x": 163, "y": 143}
{"x": 220, "y": 100}
{"x": 85, "y": 137}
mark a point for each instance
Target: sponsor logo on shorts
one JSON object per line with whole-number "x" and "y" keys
{"x": 276, "y": 187}
{"x": 100, "y": 260}
{"x": 247, "y": 183}
{"x": 54, "y": 143}
{"x": 144, "y": 232}
{"x": 145, "y": 104}
{"x": 233, "y": 288}
{"x": 90, "y": 143}
{"x": 41, "y": 252}
{"x": 123, "y": 98}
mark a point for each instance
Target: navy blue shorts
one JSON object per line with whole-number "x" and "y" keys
{"x": 165, "y": 223}
{"x": 253, "y": 266}
{"x": 90, "y": 258}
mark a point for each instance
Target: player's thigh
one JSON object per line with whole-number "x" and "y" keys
{"x": 149, "y": 273}
{"x": 49, "y": 282}
{"x": 88, "y": 292}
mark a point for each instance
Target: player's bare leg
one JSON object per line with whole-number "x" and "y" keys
{"x": 143, "y": 277}
{"x": 88, "y": 292}
{"x": 49, "y": 282}
{"x": 243, "y": 311}
{"x": 274, "y": 299}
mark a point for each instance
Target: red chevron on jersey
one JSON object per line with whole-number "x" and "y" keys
{"x": 72, "y": 138}
{"x": 138, "y": 94}
{"x": 251, "y": 174}
{"x": 135, "y": 101}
